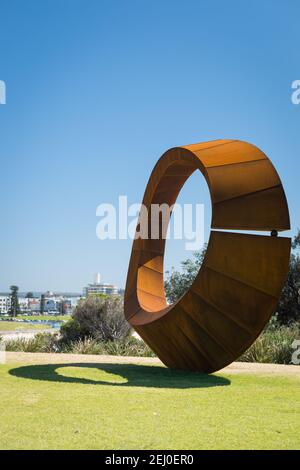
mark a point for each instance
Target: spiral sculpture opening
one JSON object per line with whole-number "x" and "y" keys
{"x": 239, "y": 283}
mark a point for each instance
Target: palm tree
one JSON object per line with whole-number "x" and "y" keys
{"x": 42, "y": 304}
{"x": 14, "y": 301}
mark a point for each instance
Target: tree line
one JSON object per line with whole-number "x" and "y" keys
{"x": 15, "y": 310}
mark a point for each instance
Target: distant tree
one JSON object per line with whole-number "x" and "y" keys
{"x": 178, "y": 282}
{"x": 62, "y": 307}
{"x": 29, "y": 296}
{"x": 14, "y": 309}
{"x": 42, "y": 304}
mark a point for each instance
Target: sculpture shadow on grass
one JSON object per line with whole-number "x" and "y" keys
{"x": 133, "y": 375}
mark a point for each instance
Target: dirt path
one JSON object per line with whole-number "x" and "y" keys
{"x": 234, "y": 368}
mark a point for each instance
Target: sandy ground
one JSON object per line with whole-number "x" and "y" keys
{"x": 234, "y": 368}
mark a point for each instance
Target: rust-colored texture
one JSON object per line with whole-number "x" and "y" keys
{"x": 237, "y": 288}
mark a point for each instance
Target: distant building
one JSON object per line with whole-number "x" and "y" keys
{"x": 52, "y": 304}
{"x": 4, "y": 304}
{"x": 34, "y": 305}
{"x": 100, "y": 288}
{"x": 24, "y": 304}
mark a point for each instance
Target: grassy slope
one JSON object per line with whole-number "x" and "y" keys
{"x": 13, "y": 326}
{"x": 136, "y": 406}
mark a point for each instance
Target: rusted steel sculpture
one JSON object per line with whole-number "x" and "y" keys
{"x": 238, "y": 286}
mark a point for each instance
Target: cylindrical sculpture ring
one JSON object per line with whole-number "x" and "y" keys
{"x": 239, "y": 283}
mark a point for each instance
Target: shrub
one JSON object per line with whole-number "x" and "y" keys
{"x": 41, "y": 342}
{"x": 85, "y": 346}
{"x": 274, "y": 345}
{"x": 98, "y": 318}
{"x": 45, "y": 342}
{"x": 71, "y": 331}
{"x": 128, "y": 347}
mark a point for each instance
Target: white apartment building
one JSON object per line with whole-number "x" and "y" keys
{"x": 4, "y": 304}
{"x": 23, "y": 304}
{"x": 100, "y": 288}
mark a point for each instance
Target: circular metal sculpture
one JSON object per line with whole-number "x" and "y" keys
{"x": 239, "y": 283}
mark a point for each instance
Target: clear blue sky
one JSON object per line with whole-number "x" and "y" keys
{"x": 98, "y": 90}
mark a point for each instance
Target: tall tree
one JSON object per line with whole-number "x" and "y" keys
{"x": 296, "y": 241}
{"x": 178, "y": 282}
{"x": 29, "y": 296}
{"x": 289, "y": 302}
{"x": 42, "y": 304}
{"x": 62, "y": 307}
{"x": 14, "y": 309}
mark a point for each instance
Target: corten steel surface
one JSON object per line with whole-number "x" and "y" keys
{"x": 238, "y": 286}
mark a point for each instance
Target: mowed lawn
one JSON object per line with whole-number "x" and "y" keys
{"x": 45, "y": 317}
{"x": 42, "y": 317}
{"x": 18, "y": 326}
{"x": 56, "y": 402}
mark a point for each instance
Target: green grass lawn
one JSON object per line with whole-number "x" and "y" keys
{"x": 45, "y": 317}
{"x": 13, "y": 326}
{"x": 131, "y": 406}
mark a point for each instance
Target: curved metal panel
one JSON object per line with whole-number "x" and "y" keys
{"x": 238, "y": 286}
